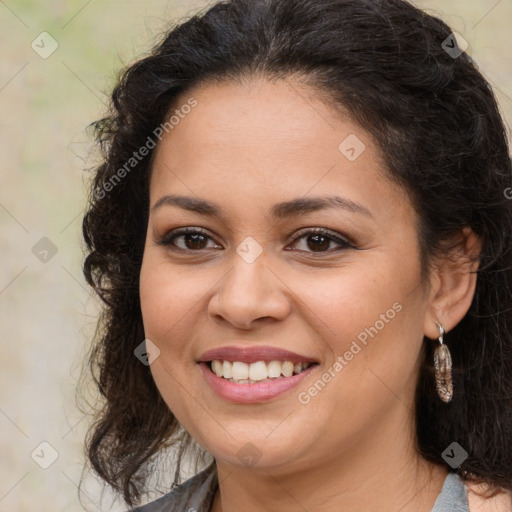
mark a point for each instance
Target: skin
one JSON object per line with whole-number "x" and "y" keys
{"x": 247, "y": 146}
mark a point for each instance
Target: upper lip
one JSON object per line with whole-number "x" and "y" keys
{"x": 253, "y": 354}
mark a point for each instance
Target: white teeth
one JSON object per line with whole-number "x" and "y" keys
{"x": 240, "y": 370}
{"x": 217, "y": 368}
{"x": 274, "y": 369}
{"x": 287, "y": 368}
{"x": 227, "y": 370}
{"x": 259, "y": 371}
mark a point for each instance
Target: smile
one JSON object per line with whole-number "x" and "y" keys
{"x": 255, "y": 373}
{"x": 259, "y": 371}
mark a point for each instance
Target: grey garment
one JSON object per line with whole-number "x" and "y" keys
{"x": 453, "y": 496}
{"x": 197, "y": 493}
{"x": 194, "y": 495}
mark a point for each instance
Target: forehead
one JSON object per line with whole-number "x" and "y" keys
{"x": 267, "y": 139}
{"x": 280, "y": 116}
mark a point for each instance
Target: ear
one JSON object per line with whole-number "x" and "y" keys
{"x": 453, "y": 283}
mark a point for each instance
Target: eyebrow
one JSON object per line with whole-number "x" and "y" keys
{"x": 298, "y": 206}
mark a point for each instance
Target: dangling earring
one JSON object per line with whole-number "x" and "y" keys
{"x": 443, "y": 366}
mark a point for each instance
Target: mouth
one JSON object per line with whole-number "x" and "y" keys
{"x": 240, "y": 372}
{"x": 253, "y": 374}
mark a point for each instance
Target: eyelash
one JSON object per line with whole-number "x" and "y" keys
{"x": 168, "y": 238}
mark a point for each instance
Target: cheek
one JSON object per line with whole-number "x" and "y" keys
{"x": 168, "y": 299}
{"x": 374, "y": 344}
{"x": 168, "y": 296}
{"x": 370, "y": 316}
{"x": 346, "y": 302}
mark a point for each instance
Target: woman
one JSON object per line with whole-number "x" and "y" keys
{"x": 302, "y": 237}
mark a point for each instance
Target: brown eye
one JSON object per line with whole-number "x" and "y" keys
{"x": 195, "y": 240}
{"x": 190, "y": 239}
{"x": 319, "y": 241}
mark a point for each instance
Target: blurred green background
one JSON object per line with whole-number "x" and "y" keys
{"x": 47, "y": 315}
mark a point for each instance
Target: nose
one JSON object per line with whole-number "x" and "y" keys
{"x": 250, "y": 293}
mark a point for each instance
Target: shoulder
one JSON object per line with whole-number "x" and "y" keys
{"x": 501, "y": 502}
{"x": 195, "y": 494}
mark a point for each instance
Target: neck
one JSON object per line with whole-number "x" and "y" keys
{"x": 377, "y": 472}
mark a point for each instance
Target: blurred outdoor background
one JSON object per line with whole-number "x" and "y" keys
{"x": 58, "y": 62}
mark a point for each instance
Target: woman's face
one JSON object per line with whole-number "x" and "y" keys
{"x": 263, "y": 165}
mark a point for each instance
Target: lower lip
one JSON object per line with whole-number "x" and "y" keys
{"x": 252, "y": 393}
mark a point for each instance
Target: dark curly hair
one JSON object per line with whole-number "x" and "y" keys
{"x": 437, "y": 125}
